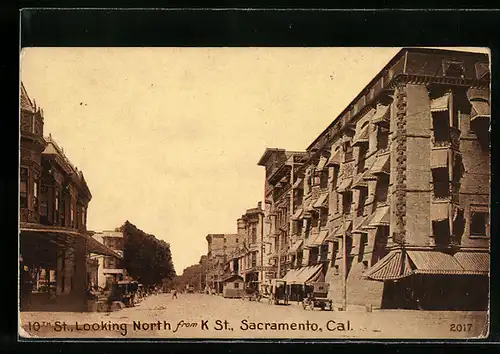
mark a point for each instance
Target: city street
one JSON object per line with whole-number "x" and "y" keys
{"x": 210, "y": 316}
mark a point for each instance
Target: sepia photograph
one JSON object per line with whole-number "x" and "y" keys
{"x": 254, "y": 193}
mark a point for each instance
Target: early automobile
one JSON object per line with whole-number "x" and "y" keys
{"x": 279, "y": 292}
{"x": 318, "y": 298}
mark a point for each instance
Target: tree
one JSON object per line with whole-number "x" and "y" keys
{"x": 145, "y": 257}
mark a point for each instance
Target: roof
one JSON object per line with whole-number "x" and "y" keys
{"x": 267, "y": 154}
{"x": 399, "y": 56}
{"x": 25, "y": 102}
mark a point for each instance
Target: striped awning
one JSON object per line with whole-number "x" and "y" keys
{"x": 381, "y": 115}
{"x": 381, "y": 165}
{"x": 298, "y": 214}
{"x": 320, "y": 239}
{"x": 474, "y": 262}
{"x": 361, "y": 226}
{"x": 334, "y": 159}
{"x": 322, "y": 201}
{"x": 295, "y": 247}
{"x": 429, "y": 262}
{"x": 381, "y": 217}
{"x": 362, "y": 136}
{"x": 439, "y": 158}
{"x": 321, "y": 164}
{"x": 480, "y": 109}
{"x": 345, "y": 185}
{"x": 360, "y": 181}
{"x": 440, "y": 104}
{"x": 297, "y": 183}
{"x": 393, "y": 266}
{"x": 398, "y": 264}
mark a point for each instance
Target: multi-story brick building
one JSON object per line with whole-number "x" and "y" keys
{"x": 396, "y": 189}
{"x": 220, "y": 247}
{"x": 53, "y": 214}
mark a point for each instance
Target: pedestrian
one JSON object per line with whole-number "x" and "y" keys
{"x": 174, "y": 294}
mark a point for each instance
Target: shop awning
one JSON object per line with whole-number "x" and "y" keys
{"x": 297, "y": 183}
{"x": 440, "y": 104}
{"x": 332, "y": 235}
{"x": 298, "y": 214}
{"x": 66, "y": 237}
{"x": 345, "y": 185}
{"x": 477, "y": 263}
{"x": 307, "y": 274}
{"x": 440, "y": 211}
{"x": 322, "y": 201}
{"x": 362, "y": 136}
{"x": 393, "y": 266}
{"x": 360, "y": 182}
{"x": 381, "y": 115}
{"x": 431, "y": 262}
{"x": 334, "y": 159}
{"x": 295, "y": 247}
{"x": 439, "y": 158}
{"x": 381, "y": 165}
{"x": 381, "y": 217}
{"x": 291, "y": 275}
{"x": 397, "y": 264}
{"x": 318, "y": 241}
{"x": 321, "y": 164}
{"x": 480, "y": 109}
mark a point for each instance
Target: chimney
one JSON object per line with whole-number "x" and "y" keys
{"x": 259, "y": 205}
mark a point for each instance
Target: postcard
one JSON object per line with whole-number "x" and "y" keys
{"x": 251, "y": 192}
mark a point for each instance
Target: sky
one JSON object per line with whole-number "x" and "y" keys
{"x": 169, "y": 138}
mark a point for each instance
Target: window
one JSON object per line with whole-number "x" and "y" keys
{"x": 335, "y": 173}
{"x": 453, "y": 68}
{"x": 323, "y": 217}
{"x": 346, "y": 202}
{"x": 313, "y": 255}
{"x": 363, "y": 196}
{"x": 363, "y": 149}
{"x": 35, "y": 196}
{"x": 382, "y": 138}
{"x": 441, "y": 126}
{"x": 254, "y": 233}
{"x": 479, "y": 223}
{"x": 83, "y": 215}
{"x": 441, "y": 183}
{"x": 382, "y": 188}
{"x": 254, "y": 260}
{"x": 441, "y": 231}
{"x": 299, "y": 196}
{"x": 237, "y": 240}
{"x": 63, "y": 212}
{"x": 323, "y": 179}
{"x": 324, "y": 253}
{"x": 72, "y": 215}
{"x": 348, "y": 153}
{"x": 225, "y": 240}
{"x": 236, "y": 285}
{"x": 24, "y": 188}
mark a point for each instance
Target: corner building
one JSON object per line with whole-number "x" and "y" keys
{"x": 395, "y": 192}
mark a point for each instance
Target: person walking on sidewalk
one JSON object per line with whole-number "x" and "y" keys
{"x": 174, "y": 294}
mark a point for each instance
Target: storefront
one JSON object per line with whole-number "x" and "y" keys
{"x": 54, "y": 261}
{"x": 433, "y": 280}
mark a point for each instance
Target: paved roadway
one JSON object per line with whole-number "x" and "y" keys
{"x": 210, "y": 316}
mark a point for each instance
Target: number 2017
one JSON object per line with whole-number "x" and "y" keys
{"x": 460, "y": 327}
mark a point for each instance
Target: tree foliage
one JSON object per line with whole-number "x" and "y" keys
{"x": 193, "y": 275}
{"x": 145, "y": 257}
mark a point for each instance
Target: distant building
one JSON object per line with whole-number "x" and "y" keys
{"x": 220, "y": 246}
{"x": 109, "y": 268}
